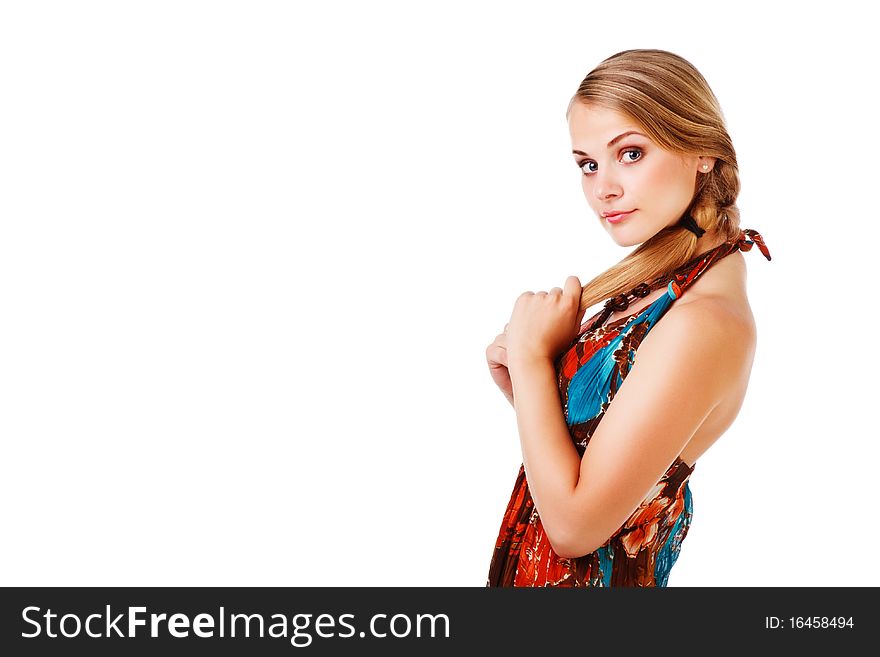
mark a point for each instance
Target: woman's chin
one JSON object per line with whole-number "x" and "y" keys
{"x": 624, "y": 237}
{"x": 625, "y": 234}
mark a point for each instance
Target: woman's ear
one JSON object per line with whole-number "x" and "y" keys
{"x": 706, "y": 164}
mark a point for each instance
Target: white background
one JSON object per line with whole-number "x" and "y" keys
{"x": 252, "y": 254}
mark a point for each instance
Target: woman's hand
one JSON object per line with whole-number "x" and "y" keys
{"x": 545, "y": 323}
{"x": 496, "y": 357}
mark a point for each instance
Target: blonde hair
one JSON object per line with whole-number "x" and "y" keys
{"x": 672, "y": 102}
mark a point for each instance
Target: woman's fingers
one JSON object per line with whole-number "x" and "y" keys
{"x": 501, "y": 354}
{"x": 497, "y": 351}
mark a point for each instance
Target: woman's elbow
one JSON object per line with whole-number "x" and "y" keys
{"x": 572, "y": 547}
{"x": 573, "y": 535}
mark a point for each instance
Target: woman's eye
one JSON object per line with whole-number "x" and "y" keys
{"x": 584, "y": 166}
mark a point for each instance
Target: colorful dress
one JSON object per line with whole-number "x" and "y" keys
{"x": 589, "y": 373}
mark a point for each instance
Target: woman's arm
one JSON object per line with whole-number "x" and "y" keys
{"x": 684, "y": 367}
{"x": 550, "y": 458}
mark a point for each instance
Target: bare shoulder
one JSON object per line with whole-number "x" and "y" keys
{"x": 712, "y": 324}
{"x": 716, "y": 326}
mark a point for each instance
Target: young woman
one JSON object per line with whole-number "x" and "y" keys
{"x": 602, "y": 496}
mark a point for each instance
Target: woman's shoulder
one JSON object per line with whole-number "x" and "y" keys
{"x": 714, "y": 318}
{"x": 719, "y": 297}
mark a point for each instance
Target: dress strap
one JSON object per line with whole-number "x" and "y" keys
{"x": 694, "y": 268}
{"x": 681, "y": 278}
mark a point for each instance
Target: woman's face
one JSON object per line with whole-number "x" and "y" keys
{"x": 630, "y": 174}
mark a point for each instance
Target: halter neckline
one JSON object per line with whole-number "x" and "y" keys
{"x": 681, "y": 278}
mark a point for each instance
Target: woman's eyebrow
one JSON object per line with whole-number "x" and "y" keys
{"x": 614, "y": 141}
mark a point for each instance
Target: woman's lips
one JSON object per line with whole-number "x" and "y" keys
{"x": 617, "y": 218}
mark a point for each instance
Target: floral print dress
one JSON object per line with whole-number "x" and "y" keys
{"x": 589, "y": 373}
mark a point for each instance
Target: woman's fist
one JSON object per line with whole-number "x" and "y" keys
{"x": 545, "y": 323}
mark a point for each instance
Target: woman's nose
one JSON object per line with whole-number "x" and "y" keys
{"x": 605, "y": 187}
